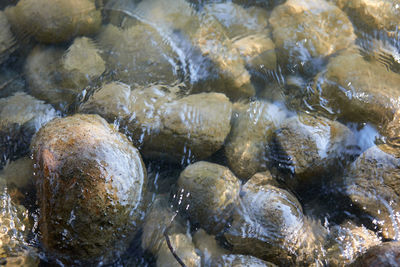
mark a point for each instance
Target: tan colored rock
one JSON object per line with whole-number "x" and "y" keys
{"x": 308, "y": 30}
{"x": 90, "y": 184}
{"x": 18, "y": 173}
{"x": 140, "y": 56}
{"x": 370, "y": 15}
{"x": 207, "y": 245}
{"x": 372, "y": 183}
{"x": 209, "y": 194}
{"x": 247, "y": 144}
{"x": 54, "y": 21}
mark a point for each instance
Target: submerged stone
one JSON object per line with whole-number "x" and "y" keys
{"x": 59, "y": 76}
{"x": 348, "y": 241}
{"x": 208, "y": 247}
{"x": 209, "y": 194}
{"x": 372, "y": 184}
{"x": 164, "y": 125}
{"x": 139, "y": 56}
{"x": 373, "y": 15}
{"x": 306, "y": 31}
{"x": 357, "y": 90}
{"x": 236, "y": 260}
{"x": 307, "y": 148}
{"x": 90, "y": 184}
{"x": 247, "y": 147}
{"x": 54, "y": 21}
{"x": 269, "y": 223}
{"x": 7, "y": 41}
{"x": 386, "y": 254}
{"x": 21, "y": 116}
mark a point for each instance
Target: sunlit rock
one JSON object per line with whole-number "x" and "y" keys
{"x": 247, "y": 144}
{"x": 372, "y": 183}
{"x": 236, "y": 260}
{"x": 348, "y": 241}
{"x": 54, "y": 21}
{"x": 357, "y": 90}
{"x": 139, "y": 55}
{"x": 370, "y": 15}
{"x": 306, "y": 148}
{"x": 306, "y": 31}
{"x": 59, "y": 76}
{"x": 21, "y": 116}
{"x": 7, "y": 41}
{"x": 386, "y": 254}
{"x": 208, "y": 247}
{"x": 184, "y": 249}
{"x": 209, "y": 193}
{"x": 269, "y": 223}
{"x": 160, "y": 220}
{"x": 90, "y": 184}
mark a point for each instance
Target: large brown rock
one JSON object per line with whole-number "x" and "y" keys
{"x": 209, "y": 194}
{"x": 358, "y": 90}
{"x": 247, "y": 147}
{"x": 54, "y": 21}
{"x": 372, "y": 184}
{"x": 309, "y": 30}
{"x": 90, "y": 184}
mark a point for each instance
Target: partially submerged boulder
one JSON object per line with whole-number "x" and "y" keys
{"x": 54, "y": 21}
{"x": 209, "y": 194}
{"x": 385, "y": 254}
{"x": 90, "y": 184}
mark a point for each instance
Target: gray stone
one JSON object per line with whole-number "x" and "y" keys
{"x": 209, "y": 194}
{"x": 90, "y": 184}
{"x": 54, "y": 21}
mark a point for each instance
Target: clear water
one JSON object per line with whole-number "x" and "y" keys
{"x": 293, "y": 106}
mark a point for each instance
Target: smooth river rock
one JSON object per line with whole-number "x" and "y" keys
{"x": 306, "y": 31}
{"x": 54, "y": 21}
{"x": 209, "y": 194}
{"x": 90, "y": 183}
{"x": 385, "y": 255}
{"x": 21, "y": 115}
